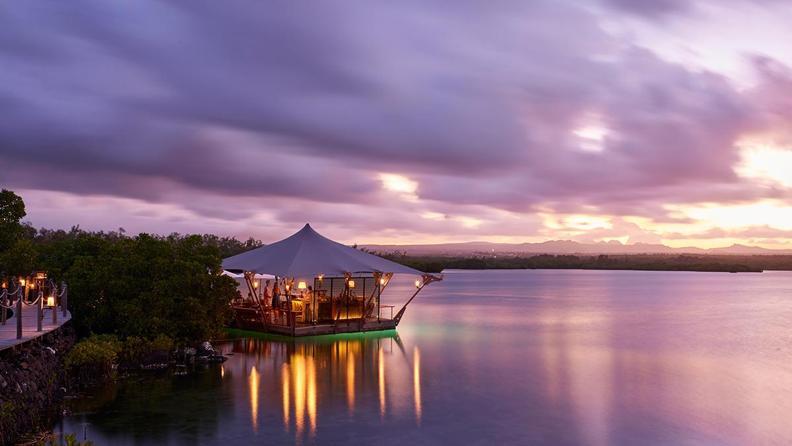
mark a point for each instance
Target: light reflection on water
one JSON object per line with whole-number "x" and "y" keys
{"x": 510, "y": 357}
{"x": 301, "y": 375}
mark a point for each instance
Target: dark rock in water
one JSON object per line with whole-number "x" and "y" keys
{"x": 212, "y": 358}
{"x": 206, "y": 349}
{"x": 156, "y": 359}
{"x": 217, "y": 358}
{"x": 154, "y": 366}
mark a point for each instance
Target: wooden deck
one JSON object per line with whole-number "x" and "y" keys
{"x": 8, "y": 331}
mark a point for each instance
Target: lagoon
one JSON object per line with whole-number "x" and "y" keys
{"x": 494, "y": 357}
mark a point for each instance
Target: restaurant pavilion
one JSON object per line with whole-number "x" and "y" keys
{"x": 307, "y": 284}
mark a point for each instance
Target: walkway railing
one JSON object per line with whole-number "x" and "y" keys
{"x": 36, "y": 291}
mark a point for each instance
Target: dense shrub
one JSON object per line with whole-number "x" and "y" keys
{"x": 92, "y": 359}
{"x": 137, "y": 351}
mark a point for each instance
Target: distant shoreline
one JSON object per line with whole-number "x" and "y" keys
{"x": 729, "y": 263}
{"x": 453, "y": 270}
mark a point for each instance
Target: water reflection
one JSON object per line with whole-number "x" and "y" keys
{"x": 539, "y": 357}
{"x": 417, "y": 383}
{"x": 309, "y": 373}
{"x": 253, "y": 380}
{"x": 350, "y": 381}
{"x": 381, "y": 381}
{"x": 286, "y": 379}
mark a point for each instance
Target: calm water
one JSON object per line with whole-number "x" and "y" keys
{"x": 500, "y": 357}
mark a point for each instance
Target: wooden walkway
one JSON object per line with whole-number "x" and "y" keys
{"x": 8, "y": 333}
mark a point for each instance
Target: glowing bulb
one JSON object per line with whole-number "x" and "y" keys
{"x": 5, "y": 284}
{"x": 417, "y": 284}
{"x": 382, "y": 281}
{"x": 21, "y": 282}
{"x": 301, "y": 286}
{"x": 351, "y": 284}
{"x": 51, "y": 301}
{"x": 321, "y": 276}
{"x": 255, "y": 284}
{"x": 32, "y": 285}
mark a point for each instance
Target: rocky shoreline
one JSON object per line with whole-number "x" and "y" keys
{"x": 34, "y": 379}
{"x": 32, "y": 383}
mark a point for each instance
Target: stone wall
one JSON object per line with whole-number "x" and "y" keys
{"x": 31, "y": 383}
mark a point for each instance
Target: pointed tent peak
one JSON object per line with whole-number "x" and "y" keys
{"x": 308, "y": 231}
{"x": 306, "y": 253}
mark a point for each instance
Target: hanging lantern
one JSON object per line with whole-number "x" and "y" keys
{"x": 51, "y": 301}
{"x": 255, "y": 284}
{"x": 5, "y": 284}
{"x": 417, "y": 284}
{"x": 351, "y": 284}
{"x": 32, "y": 285}
{"x": 320, "y": 277}
{"x": 382, "y": 281}
{"x": 41, "y": 275}
{"x": 301, "y": 285}
{"x": 21, "y": 282}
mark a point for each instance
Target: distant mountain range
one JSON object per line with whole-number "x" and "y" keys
{"x": 567, "y": 247}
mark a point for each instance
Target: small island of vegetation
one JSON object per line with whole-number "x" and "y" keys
{"x": 642, "y": 262}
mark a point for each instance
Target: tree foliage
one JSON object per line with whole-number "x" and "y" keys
{"x": 144, "y": 286}
{"x": 12, "y": 211}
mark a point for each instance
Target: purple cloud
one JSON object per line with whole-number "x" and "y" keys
{"x": 208, "y": 103}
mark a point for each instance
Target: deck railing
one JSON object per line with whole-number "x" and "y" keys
{"x": 36, "y": 291}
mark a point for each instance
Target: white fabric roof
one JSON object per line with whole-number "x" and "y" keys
{"x": 242, "y": 276}
{"x": 306, "y": 254}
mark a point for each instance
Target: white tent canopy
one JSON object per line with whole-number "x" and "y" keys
{"x": 307, "y": 254}
{"x": 242, "y": 276}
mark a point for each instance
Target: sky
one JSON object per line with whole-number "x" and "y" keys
{"x": 642, "y": 121}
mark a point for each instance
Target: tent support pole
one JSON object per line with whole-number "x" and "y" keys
{"x": 427, "y": 279}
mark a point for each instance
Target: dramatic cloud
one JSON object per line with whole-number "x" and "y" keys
{"x": 386, "y": 119}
